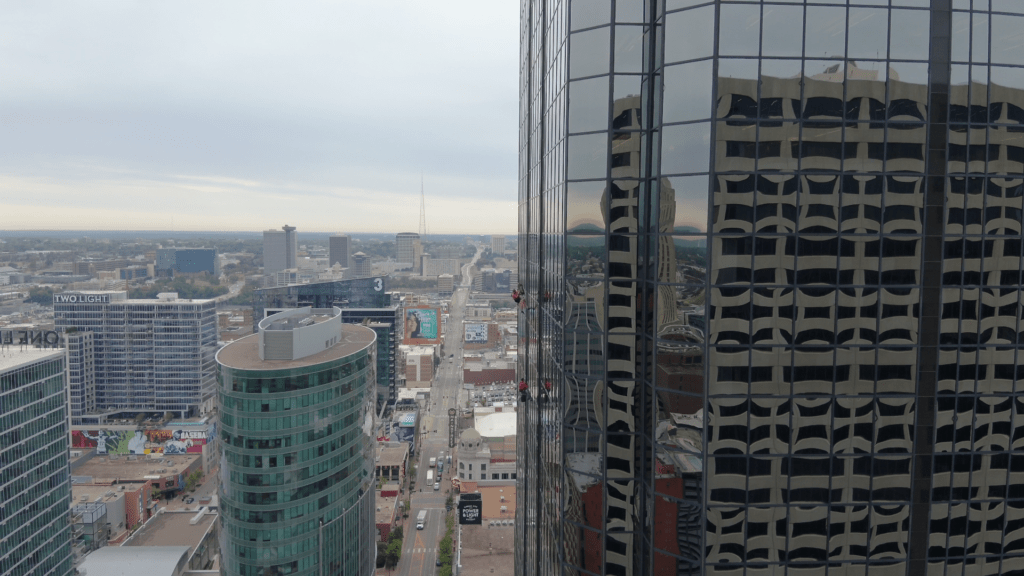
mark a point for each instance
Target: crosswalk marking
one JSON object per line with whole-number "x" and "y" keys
{"x": 420, "y": 550}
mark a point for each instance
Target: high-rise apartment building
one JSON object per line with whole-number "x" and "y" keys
{"x": 280, "y": 249}
{"x": 772, "y": 264}
{"x": 339, "y": 250}
{"x": 35, "y": 481}
{"x": 497, "y": 244}
{"x": 127, "y": 355}
{"x": 297, "y": 423}
{"x": 404, "y": 246}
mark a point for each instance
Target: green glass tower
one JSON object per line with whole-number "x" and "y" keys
{"x": 297, "y": 420}
{"x": 35, "y": 489}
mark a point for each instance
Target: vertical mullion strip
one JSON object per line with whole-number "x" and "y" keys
{"x": 931, "y": 282}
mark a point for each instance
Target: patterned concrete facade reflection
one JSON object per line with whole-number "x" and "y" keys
{"x": 775, "y": 279}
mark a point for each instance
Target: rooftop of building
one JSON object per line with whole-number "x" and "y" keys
{"x": 392, "y": 456}
{"x": 385, "y": 508}
{"x": 106, "y": 492}
{"x": 13, "y": 356}
{"x": 497, "y": 425}
{"x": 122, "y": 297}
{"x": 488, "y": 549}
{"x": 173, "y": 529}
{"x": 132, "y": 467}
{"x": 244, "y": 354}
{"x": 135, "y": 560}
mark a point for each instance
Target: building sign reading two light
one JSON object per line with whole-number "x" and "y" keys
{"x": 81, "y": 298}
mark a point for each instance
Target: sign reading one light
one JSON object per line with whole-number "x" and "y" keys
{"x": 48, "y": 338}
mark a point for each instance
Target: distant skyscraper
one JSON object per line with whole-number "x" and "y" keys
{"x": 404, "y": 246}
{"x": 143, "y": 355}
{"x": 771, "y": 254}
{"x": 187, "y": 261}
{"x": 280, "y": 249}
{"x": 497, "y": 244}
{"x": 340, "y": 248}
{"x": 299, "y": 500}
{"x": 35, "y": 536}
{"x": 361, "y": 266}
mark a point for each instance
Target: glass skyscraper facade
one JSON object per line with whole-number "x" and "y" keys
{"x": 35, "y": 484}
{"x": 297, "y": 434}
{"x": 771, "y": 254}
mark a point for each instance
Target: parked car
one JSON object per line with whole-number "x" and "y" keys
{"x": 190, "y": 500}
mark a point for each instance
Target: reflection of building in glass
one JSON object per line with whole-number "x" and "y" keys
{"x": 781, "y": 306}
{"x": 297, "y": 422}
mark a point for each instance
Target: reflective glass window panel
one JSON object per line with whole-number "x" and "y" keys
{"x": 589, "y": 13}
{"x": 684, "y": 205}
{"x": 979, "y": 37}
{"x": 629, "y": 10}
{"x": 825, "y": 32}
{"x": 687, "y": 92}
{"x": 583, "y": 207}
{"x": 629, "y": 48}
{"x": 589, "y": 53}
{"x": 588, "y": 105}
{"x": 588, "y": 156}
{"x": 909, "y": 40}
{"x": 686, "y": 148}
{"x": 737, "y": 68}
{"x": 961, "y": 40}
{"x": 690, "y": 34}
{"x": 1007, "y": 41}
{"x": 739, "y": 30}
{"x": 777, "y": 37}
{"x": 869, "y": 28}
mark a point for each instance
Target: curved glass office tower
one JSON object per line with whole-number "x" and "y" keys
{"x": 297, "y": 422}
{"x": 772, "y": 260}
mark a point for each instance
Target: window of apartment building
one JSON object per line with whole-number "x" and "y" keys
{"x": 494, "y": 476}
{"x": 462, "y": 475}
{"x": 482, "y": 466}
{"x": 504, "y": 475}
{"x": 462, "y": 465}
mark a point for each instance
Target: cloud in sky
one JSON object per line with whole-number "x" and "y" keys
{"x": 236, "y": 115}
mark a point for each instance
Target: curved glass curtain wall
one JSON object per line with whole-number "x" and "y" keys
{"x": 295, "y": 454}
{"x": 772, "y": 259}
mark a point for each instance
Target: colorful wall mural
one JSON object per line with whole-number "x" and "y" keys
{"x": 163, "y": 441}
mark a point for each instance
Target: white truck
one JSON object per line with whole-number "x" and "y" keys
{"x": 433, "y": 462}
{"x": 430, "y": 476}
{"x": 421, "y": 519}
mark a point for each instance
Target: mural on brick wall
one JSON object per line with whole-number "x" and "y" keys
{"x": 164, "y": 441}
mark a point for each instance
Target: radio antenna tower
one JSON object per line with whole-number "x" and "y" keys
{"x": 423, "y": 211}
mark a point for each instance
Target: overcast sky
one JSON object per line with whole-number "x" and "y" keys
{"x": 249, "y": 115}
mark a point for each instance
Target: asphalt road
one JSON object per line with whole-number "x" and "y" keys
{"x": 420, "y": 546}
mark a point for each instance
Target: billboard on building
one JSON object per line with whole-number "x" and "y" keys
{"x": 470, "y": 512}
{"x": 163, "y": 441}
{"x": 476, "y": 333}
{"x": 421, "y": 325}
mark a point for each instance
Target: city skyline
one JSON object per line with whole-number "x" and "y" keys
{"x": 242, "y": 118}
